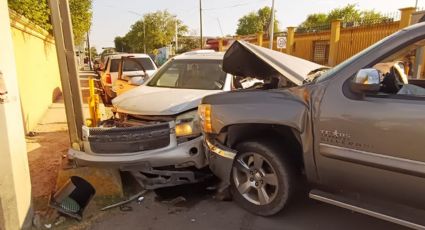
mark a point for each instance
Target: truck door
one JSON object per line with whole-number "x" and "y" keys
{"x": 374, "y": 145}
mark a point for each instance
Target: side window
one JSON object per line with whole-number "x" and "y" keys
{"x": 401, "y": 74}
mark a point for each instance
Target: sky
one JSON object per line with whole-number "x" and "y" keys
{"x": 113, "y": 18}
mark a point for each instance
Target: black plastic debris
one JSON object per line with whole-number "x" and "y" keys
{"x": 73, "y": 197}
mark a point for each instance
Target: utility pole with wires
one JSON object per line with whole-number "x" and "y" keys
{"x": 271, "y": 34}
{"x": 89, "y": 51}
{"x": 177, "y": 37}
{"x": 200, "y": 22}
{"x": 144, "y": 35}
{"x": 416, "y": 4}
{"x": 219, "y": 25}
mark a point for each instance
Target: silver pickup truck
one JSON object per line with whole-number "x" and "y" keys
{"x": 355, "y": 132}
{"x": 155, "y": 130}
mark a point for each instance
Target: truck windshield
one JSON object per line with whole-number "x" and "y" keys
{"x": 191, "y": 74}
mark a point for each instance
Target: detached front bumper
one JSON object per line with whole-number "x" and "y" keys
{"x": 220, "y": 159}
{"x": 151, "y": 146}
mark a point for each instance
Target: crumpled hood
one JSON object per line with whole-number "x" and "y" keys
{"x": 248, "y": 60}
{"x": 146, "y": 100}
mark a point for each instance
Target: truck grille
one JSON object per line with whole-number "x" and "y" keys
{"x": 130, "y": 139}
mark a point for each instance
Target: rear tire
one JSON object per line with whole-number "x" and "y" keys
{"x": 262, "y": 179}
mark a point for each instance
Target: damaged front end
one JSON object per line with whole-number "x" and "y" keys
{"x": 145, "y": 144}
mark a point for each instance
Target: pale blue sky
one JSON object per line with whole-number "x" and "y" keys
{"x": 113, "y": 18}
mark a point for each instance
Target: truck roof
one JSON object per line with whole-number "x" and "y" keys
{"x": 201, "y": 54}
{"x": 118, "y": 56}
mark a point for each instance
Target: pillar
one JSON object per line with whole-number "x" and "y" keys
{"x": 260, "y": 38}
{"x": 15, "y": 192}
{"x": 406, "y": 16}
{"x": 290, "y": 39}
{"x": 334, "y": 41}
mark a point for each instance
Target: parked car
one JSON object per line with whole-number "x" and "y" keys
{"x": 155, "y": 129}
{"x": 129, "y": 80}
{"x": 110, "y": 72}
{"x": 354, "y": 133}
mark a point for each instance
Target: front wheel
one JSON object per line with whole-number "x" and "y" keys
{"x": 261, "y": 179}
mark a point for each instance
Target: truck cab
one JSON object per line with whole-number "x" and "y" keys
{"x": 354, "y": 132}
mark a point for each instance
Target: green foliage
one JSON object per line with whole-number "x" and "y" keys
{"x": 255, "y": 22}
{"x": 348, "y": 13}
{"x": 39, "y": 13}
{"x": 121, "y": 44}
{"x": 188, "y": 44}
{"x": 155, "y": 30}
{"x": 36, "y": 11}
{"x": 81, "y": 16}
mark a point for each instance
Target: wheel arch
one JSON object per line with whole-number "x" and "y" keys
{"x": 285, "y": 137}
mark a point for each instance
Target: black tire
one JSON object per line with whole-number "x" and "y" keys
{"x": 283, "y": 170}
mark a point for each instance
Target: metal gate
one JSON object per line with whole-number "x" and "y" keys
{"x": 321, "y": 52}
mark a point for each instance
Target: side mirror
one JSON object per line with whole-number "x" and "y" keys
{"x": 366, "y": 81}
{"x": 135, "y": 81}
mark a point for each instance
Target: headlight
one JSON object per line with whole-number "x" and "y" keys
{"x": 187, "y": 124}
{"x": 204, "y": 112}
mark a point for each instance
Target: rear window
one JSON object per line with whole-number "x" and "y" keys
{"x": 131, "y": 66}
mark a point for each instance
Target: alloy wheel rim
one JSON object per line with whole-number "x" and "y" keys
{"x": 255, "y": 178}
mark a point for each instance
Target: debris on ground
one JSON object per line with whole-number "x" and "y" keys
{"x": 175, "y": 201}
{"x": 60, "y": 220}
{"x": 48, "y": 226}
{"x": 126, "y": 208}
{"x": 36, "y": 221}
{"x": 125, "y": 201}
{"x": 73, "y": 197}
{"x": 140, "y": 199}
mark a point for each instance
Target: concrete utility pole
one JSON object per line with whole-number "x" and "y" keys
{"x": 200, "y": 22}
{"x": 15, "y": 184}
{"x": 89, "y": 50}
{"x": 144, "y": 36}
{"x": 177, "y": 38}
{"x": 271, "y": 35}
{"x": 416, "y": 4}
{"x": 64, "y": 41}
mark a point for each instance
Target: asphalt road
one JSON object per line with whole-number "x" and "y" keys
{"x": 203, "y": 212}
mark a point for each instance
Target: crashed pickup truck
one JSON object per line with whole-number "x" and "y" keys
{"x": 155, "y": 130}
{"x": 355, "y": 133}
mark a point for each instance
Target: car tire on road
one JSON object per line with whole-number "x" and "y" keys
{"x": 262, "y": 179}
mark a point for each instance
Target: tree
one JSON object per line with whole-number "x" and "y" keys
{"x": 81, "y": 16}
{"x": 348, "y": 13}
{"x": 121, "y": 44}
{"x": 154, "y": 30}
{"x": 93, "y": 52}
{"x": 255, "y": 22}
{"x": 38, "y": 12}
{"x": 188, "y": 43}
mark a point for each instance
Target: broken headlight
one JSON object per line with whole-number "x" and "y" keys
{"x": 187, "y": 124}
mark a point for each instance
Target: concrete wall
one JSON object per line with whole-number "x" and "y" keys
{"x": 15, "y": 186}
{"x": 37, "y": 68}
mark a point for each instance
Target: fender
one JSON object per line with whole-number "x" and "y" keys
{"x": 286, "y": 107}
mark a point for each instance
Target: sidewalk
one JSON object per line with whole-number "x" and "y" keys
{"x": 47, "y": 147}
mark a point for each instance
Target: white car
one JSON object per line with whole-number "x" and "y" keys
{"x": 156, "y": 130}
{"x": 111, "y": 69}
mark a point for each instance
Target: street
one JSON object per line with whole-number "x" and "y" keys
{"x": 203, "y": 212}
